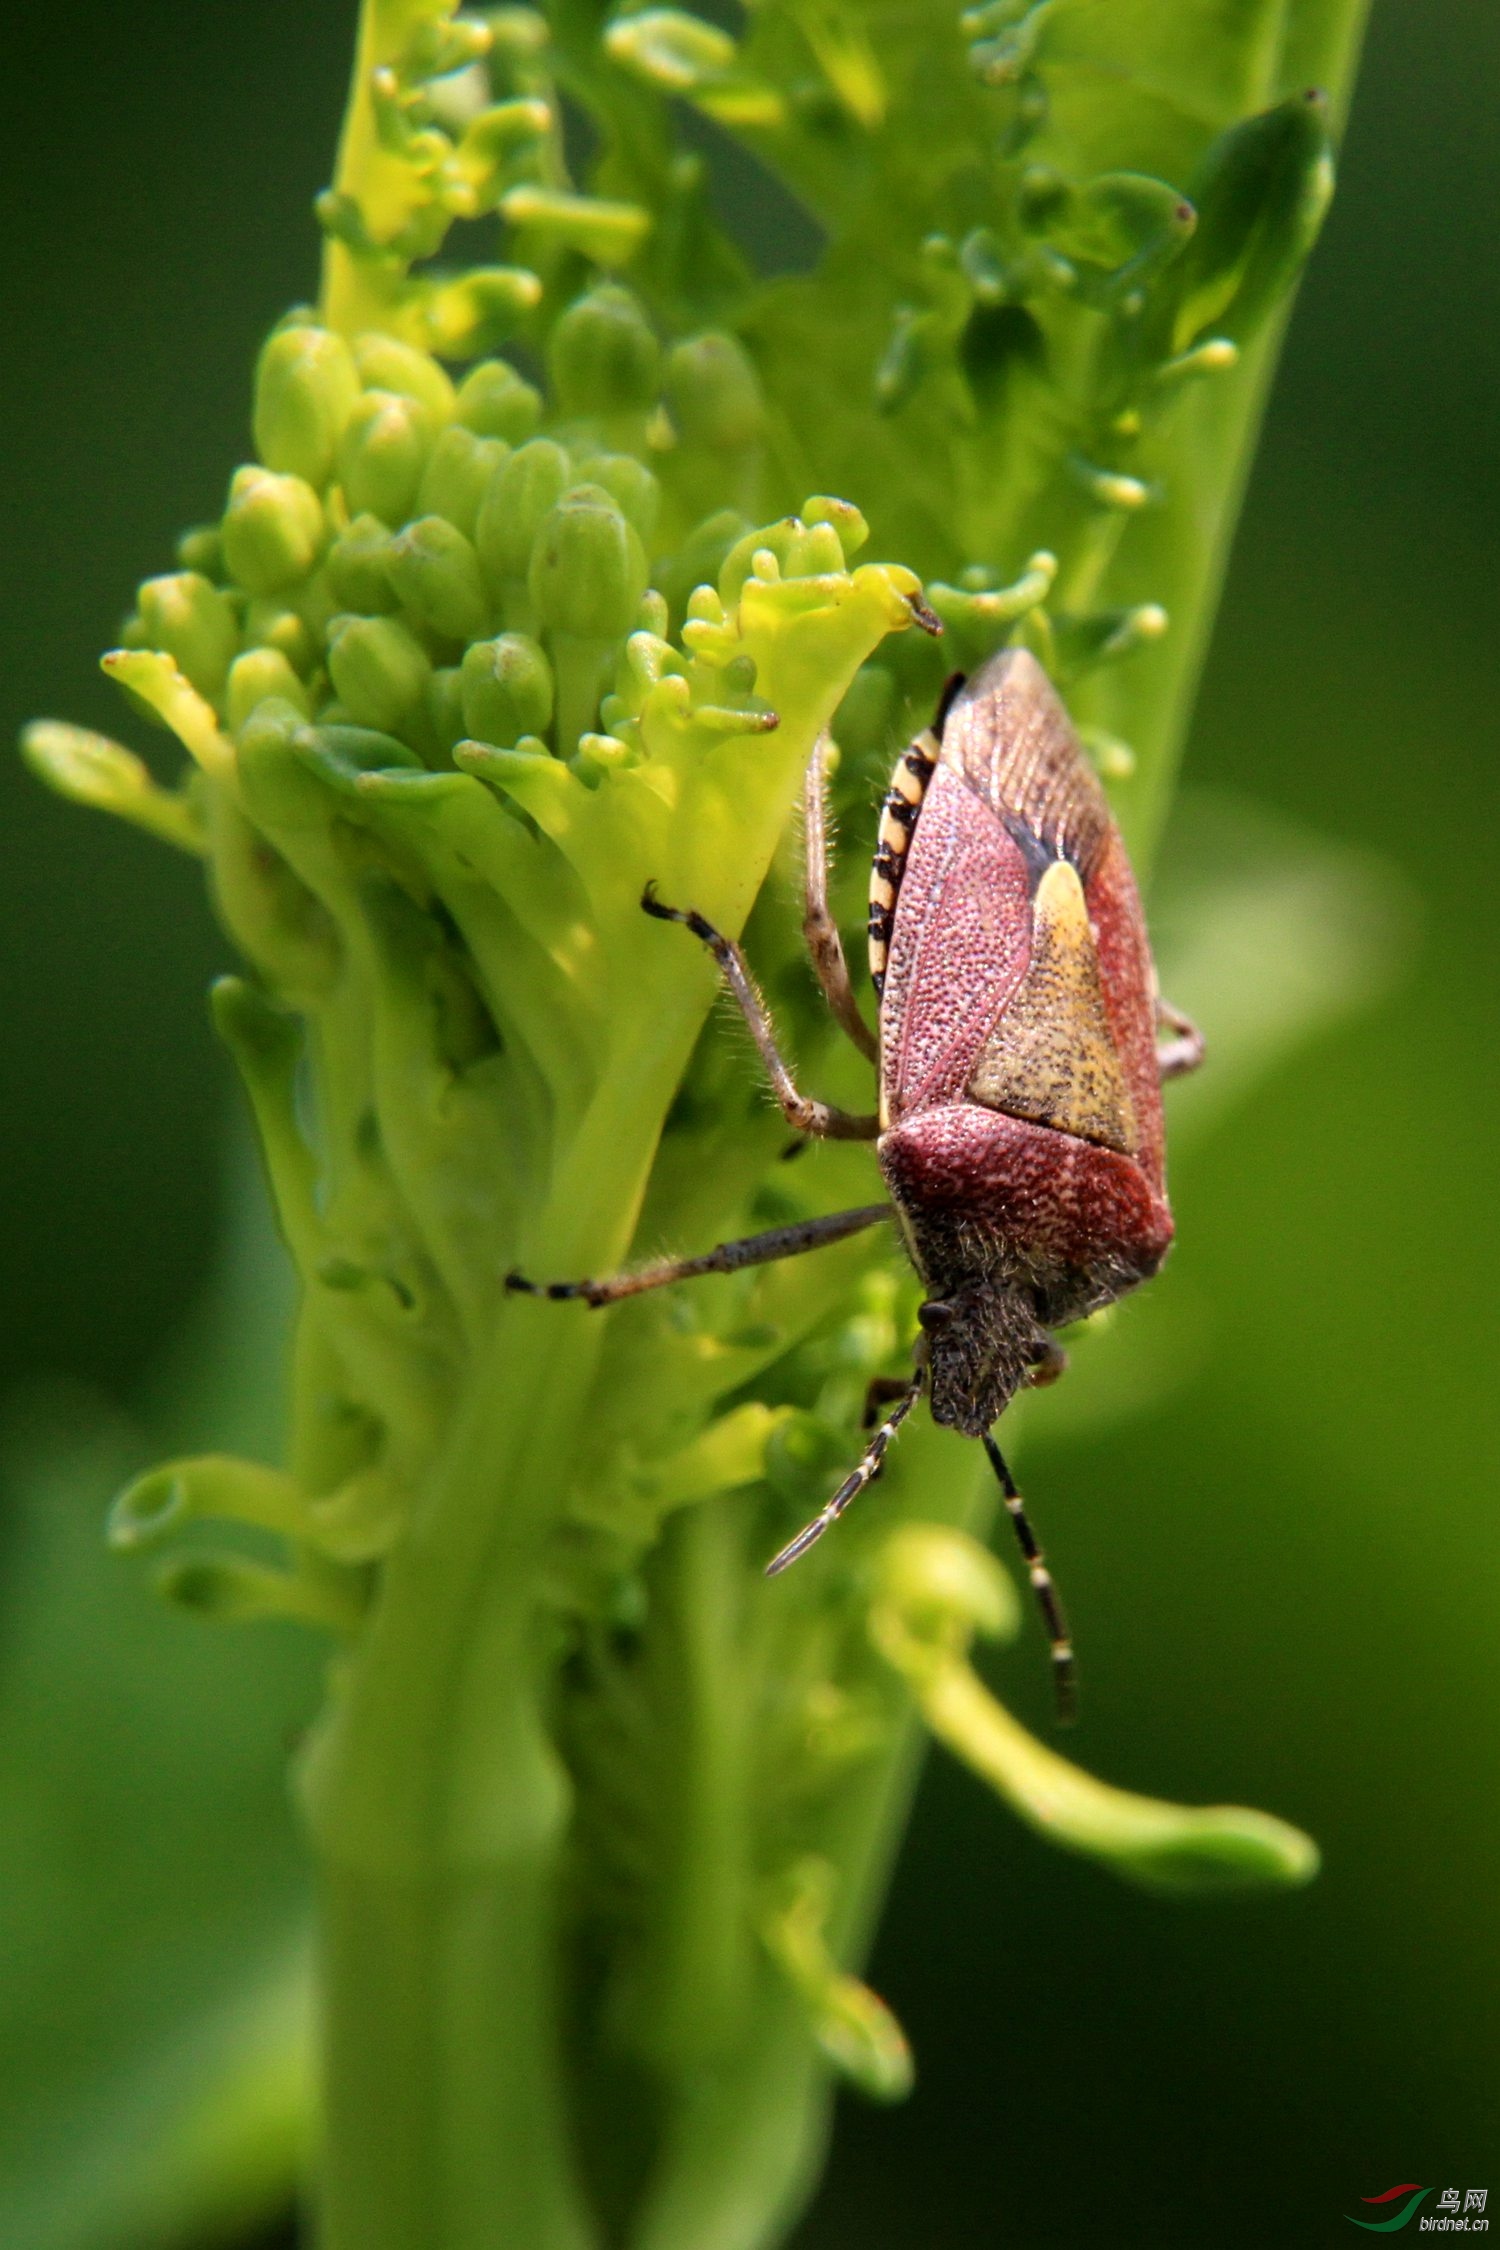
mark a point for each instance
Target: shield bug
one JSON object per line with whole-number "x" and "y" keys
{"x": 1020, "y": 1060}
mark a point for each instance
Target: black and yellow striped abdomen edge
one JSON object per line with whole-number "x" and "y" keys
{"x": 898, "y": 817}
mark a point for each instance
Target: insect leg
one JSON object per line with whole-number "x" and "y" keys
{"x": 1064, "y": 1678}
{"x": 818, "y": 1118}
{"x": 1049, "y": 1368}
{"x": 819, "y": 928}
{"x": 729, "y": 1257}
{"x": 1184, "y": 1050}
{"x": 868, "y": 1470}
{"x": 882, "y": 1390}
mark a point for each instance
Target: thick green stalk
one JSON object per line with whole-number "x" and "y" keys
{"x": 439, "y": 1810}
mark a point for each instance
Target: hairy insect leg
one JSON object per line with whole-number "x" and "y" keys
{"x": 882, "y": 1391}
{"x": 728, "y": 1257}
{"x": 1064, "y": 1677}
{"x": 824, "y": 945}
{"x": 1050, "y": 1368}
{"x": 1183, "y": 1052}
{"x": 854, "y": 1484}
{"x": 820, "y": 1119}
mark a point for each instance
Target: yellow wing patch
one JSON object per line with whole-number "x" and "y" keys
{"x": 1050, "y": 1058}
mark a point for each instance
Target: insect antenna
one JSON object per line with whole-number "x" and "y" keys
{"x": 1064, "y": 1676}
{"x": 868, "y": 1470}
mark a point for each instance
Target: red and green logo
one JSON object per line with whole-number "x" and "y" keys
{"x": 1414, "y": 2194}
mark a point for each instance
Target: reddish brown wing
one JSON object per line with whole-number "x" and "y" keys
{"x": 1013, "y": 795}
{"x": 1009, "y": 737}
{"x": 960, "y": 945}
{"x": 1129, "y": 982}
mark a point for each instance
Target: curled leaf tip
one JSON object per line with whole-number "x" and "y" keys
{"x": 212, "y": 1486}
{"x": 854, "y": 2028}
{"x": 932, "y": 1590}
{"x": 229, "y": 1589}
{"x": 91, "y": 770}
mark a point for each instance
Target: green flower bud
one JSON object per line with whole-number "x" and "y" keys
{"x": 683, "y": 55}
{"x": 478, "y": 309}
{"x": 502, "y": 142}
{"x": 588, "y": 567}
{"x": 630, "y": 483}
{"x": 259, "y": 673}
{"x": 277, "y": 789}
{"x": 550, "y": 220}
{"x": 317, "y": 605}
{"x": 380, "y": 673}
{"x": 458, "y": 472}
{"x": 518, "y": 50}
{"x": 202, "y": 549}
{"x": 306, "y": 384}
{"x": 92, "y": 770}
{"x": 1261, "y": 193}
{"x": 336, "y": 749}
{"x": 193, "y": 622}
{"x": 1104, "y": 635}
{"x": 357, "y": 567}
{"x": 714, "y": 393}
{"x": 506, "y": 689}
{"x": 699, "y": 559}
{"x": 604, "y": 357}
{"x": 382, "y": 454}
{"x": 1115, "y": 217}
{"x": 678, "y": 51}
{"x": 521, "y": 492}
{"x": 386, "y": 364}
{"x": 445, "y": 707}
{"x": 435, "y": 573}
{"x": 494, "y": 402}
{"x": 945, "y": 1586}
{"x": 273, "y": 530}
{"x": 270, "y": 624}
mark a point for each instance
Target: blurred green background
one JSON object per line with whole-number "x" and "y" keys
{"x": 1283, "y": 1574}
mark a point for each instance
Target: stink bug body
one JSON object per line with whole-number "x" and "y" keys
{"x": 1020, "y": 1104}
{"x": 1019, "y": 1132}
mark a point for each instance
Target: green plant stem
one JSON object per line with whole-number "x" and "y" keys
{"x": 357, "y": 293}
{"x": 696, "y": 1974}
{"x": 742, "y": 2143}
{"x": 439, "y": 1809}
{"x": 442, "y": 2121}
{"x": 436, "y": 1800}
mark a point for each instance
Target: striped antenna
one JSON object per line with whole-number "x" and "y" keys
{"x": 868, "y": 1470}
{"x": 1064, "y": 1676}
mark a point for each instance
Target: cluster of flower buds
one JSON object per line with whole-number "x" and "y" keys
{"x": 417, "y": 559}
{"x": 438, "y": 622}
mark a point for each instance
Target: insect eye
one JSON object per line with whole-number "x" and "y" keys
{"x": 934, "y": 1314}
